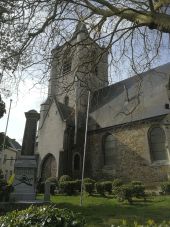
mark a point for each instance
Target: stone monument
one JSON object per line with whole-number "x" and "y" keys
{"x": 26, "y": 165}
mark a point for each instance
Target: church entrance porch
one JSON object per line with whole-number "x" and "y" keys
{"x": 49, "y": 167}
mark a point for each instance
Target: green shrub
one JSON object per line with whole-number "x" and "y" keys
{"x": 47, "y": 216}
{"x": 165, "y": 188}
{"x": 89, "y": 188}
{"x": 117, "y": 183}
{"x": 40, "y": 187}
{"x": 136, "y": 183}
{"x": 100, "y": 188}
{"x": 68, "y": 187}
{"x": 125, "y": 192}
{"x": 129, "y": 191}
{"x": 5, "y": 189}
{"x": 138, "y": 190}
{"x": 107, "y": 186}
{"x": 65, "y": 178}
{"x": 78, "y": 185}
{"x": 89, "y": 180}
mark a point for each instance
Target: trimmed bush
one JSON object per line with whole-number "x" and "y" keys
{"x": 78, "y": 185}
{"x": 125, "y": 192}
{"x": 139, "y": 191}
{"x": 89, "y": 188}
{"x": 68, "y": 187}
{"x": 128, "y": 191}
{"x": 117, "y": 183}
{"x": 47, "y": 216}
{"x": 107, "y": 186}
{"x": 65, "y": 178}
{"x": 165, "y": 188}
{"x": 100, "y": 188}
{"x": 89, "y": 180}
{"x": 136, "y": 183}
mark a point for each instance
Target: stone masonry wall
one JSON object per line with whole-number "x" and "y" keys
{"x": 132, "y": 160}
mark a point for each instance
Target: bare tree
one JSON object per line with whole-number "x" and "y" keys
{"x": 2, "y": 108}
{"x": 131, "y": 31}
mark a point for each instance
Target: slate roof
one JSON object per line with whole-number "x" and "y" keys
{"x": 14, "y": 144}
{"x": 139, "y": 97}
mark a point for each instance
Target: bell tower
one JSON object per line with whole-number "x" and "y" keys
{"x": 78, "y": 66}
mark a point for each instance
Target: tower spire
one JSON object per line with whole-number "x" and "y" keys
{"x": 80, "y": 28}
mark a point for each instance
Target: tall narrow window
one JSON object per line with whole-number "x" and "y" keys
{"x": 157, "y": 144}
{"x": 109, "y": 150}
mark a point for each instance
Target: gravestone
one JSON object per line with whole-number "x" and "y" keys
{"x": 26, "y": 165}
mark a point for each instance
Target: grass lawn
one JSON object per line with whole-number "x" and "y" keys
{"x": 100, "y": 211}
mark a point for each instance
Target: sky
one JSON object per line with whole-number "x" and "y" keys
{"x": 28, "y": 98}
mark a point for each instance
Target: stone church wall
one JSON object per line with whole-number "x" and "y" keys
{"x": 132, "y": 160}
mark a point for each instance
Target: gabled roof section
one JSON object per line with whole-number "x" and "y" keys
{"x": 136, "y": 98}
{"x": 66, "y": 112}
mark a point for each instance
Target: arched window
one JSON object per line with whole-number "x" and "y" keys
{"x": 109, "y": 149}
{"x": 157, "y": 144}
{"x": 76, "y": 162}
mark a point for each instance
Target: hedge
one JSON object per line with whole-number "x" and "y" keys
{"x": 48, "y": 216}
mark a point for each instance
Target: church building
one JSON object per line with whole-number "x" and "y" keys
{"x": 128, "y": 133}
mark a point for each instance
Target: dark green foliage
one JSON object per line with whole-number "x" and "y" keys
{"x": 131, "y": 190}
{"x": 68, "y": 187}
{"x": 78, "y": 185}
{"x": 89, "y": 180}
{"x": 165, "y": 188}
{"x": 136, "y": 183}
{"x": 48, "y": 216}
{"x": 138, "y": 190}
{"x": 5, "y": 189}
{"x": 89, "y": 188}
{"x": 65, "y": 178}
{"x": 117, "y": 183}
{"x": 40, "y": 187}
{"x": 100, "y": 188}
{"x": 107, "y": 186}
{"x": 125, "y": 192}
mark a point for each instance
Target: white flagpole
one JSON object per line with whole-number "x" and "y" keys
{"x": 84, "y": 154}
{"x": 75, "y": 131}
{"x": 3, "y": 146}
